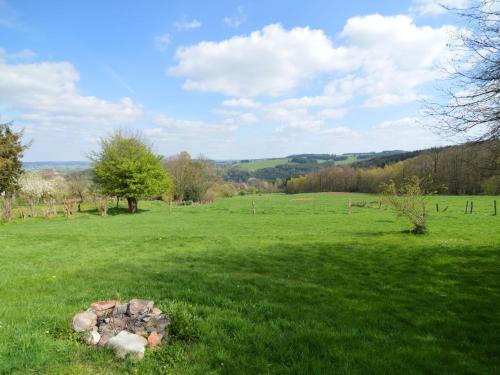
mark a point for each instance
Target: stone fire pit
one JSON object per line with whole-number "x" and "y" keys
{"x": 127, "y": 328}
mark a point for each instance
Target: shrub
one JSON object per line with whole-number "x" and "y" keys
{"x": 408, "y": 201}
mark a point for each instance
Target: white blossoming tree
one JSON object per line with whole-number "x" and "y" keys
{"x": 34, "y": 188}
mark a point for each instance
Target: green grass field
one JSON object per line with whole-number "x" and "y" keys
{"x": 351, "y": 159}
{"x": 300, "y": 288}
{"x": 253, "y": 165}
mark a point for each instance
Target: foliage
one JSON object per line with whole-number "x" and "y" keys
{"x": 11, "y": 152}
{"x": 236, "y": 175}
{"x": 285, "y": 171}
{"x": 78, "y": 184}
{"x": 409, "y": 201}
{"x": 34, "y": 186}
{"x": 125, "y": 166}
{"x": 192, "y": 177}
{"x": 463, "y": 169}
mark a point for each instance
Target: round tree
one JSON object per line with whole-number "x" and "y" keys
{"x": 11, "y": 153}
{"x": 125, "y": 166}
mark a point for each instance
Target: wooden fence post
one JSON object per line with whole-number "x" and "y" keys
{"x": 471, "y": 205}
{"x": 495, "y": 208}
{"x": 437, "y": 207}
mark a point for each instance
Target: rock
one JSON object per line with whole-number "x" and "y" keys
{"x": 141, "y": 331}
{"x": 105, "y": 337}
{"x": 118, "y": 324}
{"x": 92, "y": 337}
{"x": 162, "y": 324}
{"x": 104, "y": 305}
{"x": 127, "y": 344}
{"x": 139, "y": 306}
{"x": 84, "y": 321}
{"x": 104, "y": 308}
{"x": 155, "y": 311}
{"x": 120, "y": 309}
{"x": 154, "y": 339}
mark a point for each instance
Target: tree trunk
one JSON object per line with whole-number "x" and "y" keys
{"x": 132, "y": 204}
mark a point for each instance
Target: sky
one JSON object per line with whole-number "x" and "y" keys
{"x": 226, "y": 79}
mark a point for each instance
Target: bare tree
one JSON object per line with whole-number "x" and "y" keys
{"x": 191, "y": 177}
{"x": 78, "y": 184}
{"x": 471, "y": 105}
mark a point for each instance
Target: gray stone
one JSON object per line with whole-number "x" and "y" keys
{"x": 105, "y": 337}
{"x": 155, "y": 311}
{"x": 84, "y": 321}
{"x": 104, "y": 308}
{"x": 139, "y": 306}
{"x": 127, "y": 344}
{"x": 120, "y": 309}
{"x": 92, "y": 337}
{"x": 162, "y": 324}
{"x": 139, "y": 330}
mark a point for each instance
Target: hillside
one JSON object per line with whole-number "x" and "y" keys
{"x": 298, "y": 164}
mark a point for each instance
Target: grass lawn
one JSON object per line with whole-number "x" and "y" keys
{"x": 301, "y": 288}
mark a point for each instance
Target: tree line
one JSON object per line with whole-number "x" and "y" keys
{"x": 472, "y": 168}
{"x": 123, "y": 168}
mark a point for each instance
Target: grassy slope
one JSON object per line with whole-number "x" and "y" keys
{"x": 259, "y": 164}
{"x": 252, "y": 166}
{"x": 351, "y": 159}
{"x": 302, "y": 287}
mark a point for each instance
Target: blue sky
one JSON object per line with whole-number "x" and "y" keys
{"x": 227, "y": 79}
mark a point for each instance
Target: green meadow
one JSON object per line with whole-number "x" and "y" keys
{"x": 254, "y": 165}
{"x": 302, "y": 287}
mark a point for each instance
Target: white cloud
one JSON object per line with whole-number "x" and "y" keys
{"x": 248, "y": 118}
{"x": 46, "y": 93}
{"x": 435, "y": 7}
{"x": 331, "y": 114}
{"x": 402, "y": 122}
{"x": 187, "y": 25}
{"x": 294, "y": 118}
{"x": 269, "y": 62}
{"x": 382, "y": 59}
{"x": 25, "y": 54}
{"x": 313, "y": 101}
{"x": 241, "y": 103}
{"x": 236, "y": 20}
{"x": 190, "y": 127}
{"x": 162, "y": 42}
{"x": 172, "y": 135}
{"x": 342, "y": 131}
{"x": 395, "y": 58}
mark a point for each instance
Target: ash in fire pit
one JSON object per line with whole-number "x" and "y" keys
{"x": 127, "y": 328}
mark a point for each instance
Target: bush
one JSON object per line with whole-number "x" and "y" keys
{"x": 491, "y": 186}
{"x": 408, "y": 201}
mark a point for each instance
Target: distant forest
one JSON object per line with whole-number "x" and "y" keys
{"x": 466, "y": 169}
